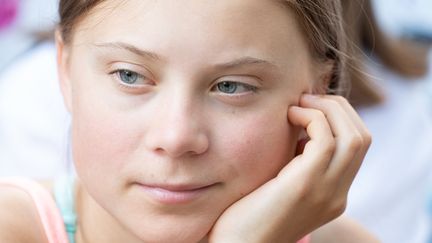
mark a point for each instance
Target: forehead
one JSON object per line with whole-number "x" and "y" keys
{"x": 203, "y": 26}
{"x": 195, "y": 9}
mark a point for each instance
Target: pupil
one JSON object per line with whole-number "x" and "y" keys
{"x": 227, "y": 87}
{"x": 128, "y": 77}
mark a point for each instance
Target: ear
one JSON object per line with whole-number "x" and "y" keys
{"x": 323, "y": 75}
{"x": 63, "y": 70}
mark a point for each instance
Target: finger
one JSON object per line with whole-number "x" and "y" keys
{"x": 348, "y": 177}
{"x": 319, "y": 150}
{"x": 353, "y": 169}
{"x": 353, "y": 114}
{"x": 348, "y": 140}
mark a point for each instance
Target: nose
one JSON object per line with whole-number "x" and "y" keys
{"x": 178, "y": 128}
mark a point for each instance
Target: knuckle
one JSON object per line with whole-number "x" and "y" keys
{"x": 340, "y": 99}
{"x": 355, "y": 141}
{"x": 367, "y": 138}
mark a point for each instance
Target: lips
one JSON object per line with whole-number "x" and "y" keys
{"x": 175, "y": 193}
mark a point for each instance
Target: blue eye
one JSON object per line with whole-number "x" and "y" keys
{"x": 227, "y": 87}
{"x": 232, "y": 87}
{"x": 128, "y": 77}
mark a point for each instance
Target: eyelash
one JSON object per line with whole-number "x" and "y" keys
{"x": 247, "y": 87}
{"x": 124, "y": 84}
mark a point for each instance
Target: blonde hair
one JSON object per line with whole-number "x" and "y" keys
{"x": 322, "y": 24}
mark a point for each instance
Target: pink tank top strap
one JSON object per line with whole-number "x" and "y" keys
{"x": 50, "y": 217}
{"x": 305, "y": 239}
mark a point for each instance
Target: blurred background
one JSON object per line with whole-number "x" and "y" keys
{"x": 392, "y": 195}
{"x": 21, "y": 22}
{"x": 405, "y": 18}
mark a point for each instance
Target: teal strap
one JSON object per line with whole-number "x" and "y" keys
{"x": 64, "y": 196}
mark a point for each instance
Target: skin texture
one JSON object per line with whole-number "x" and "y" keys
{"x": 175, "y": 127}
{"x": 20, "y": 213}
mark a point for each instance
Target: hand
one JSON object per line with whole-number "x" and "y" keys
{"x": 312, "y": 188}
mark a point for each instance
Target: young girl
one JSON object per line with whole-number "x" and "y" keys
{"x": 187, "y": 121}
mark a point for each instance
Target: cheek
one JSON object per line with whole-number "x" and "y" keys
{"x": 104, "y": 132}
{"x": 257, "y": 147}
{"x": 103, "y": 140}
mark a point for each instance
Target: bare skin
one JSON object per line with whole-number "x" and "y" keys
{"x": 190, "y": 115}
{"x": 22, "y": 214}
{"x": 18, "y": 213}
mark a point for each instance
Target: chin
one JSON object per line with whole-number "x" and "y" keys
{"x": 180, "y": 234}
{"x": 168, "y": 229}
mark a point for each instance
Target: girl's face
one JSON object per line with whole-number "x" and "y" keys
{"x": 180, "y": 107}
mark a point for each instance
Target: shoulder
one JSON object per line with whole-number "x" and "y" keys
{"x": 19, "y": 220}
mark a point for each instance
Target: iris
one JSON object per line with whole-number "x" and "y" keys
{"x": 227, "y": 87}
{"x": 128, "y": 77}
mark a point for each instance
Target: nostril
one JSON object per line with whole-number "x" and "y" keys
{"x": 191, "y": 144}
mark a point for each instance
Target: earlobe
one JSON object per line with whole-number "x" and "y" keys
{"x": 63, "y": 71}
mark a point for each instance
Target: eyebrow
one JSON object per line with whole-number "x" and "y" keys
{"x": 245, "y": 61}
{"x": 242, "y": 61}
{"x": 130, "y": 48}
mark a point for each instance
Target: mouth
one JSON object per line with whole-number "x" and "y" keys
{"x": 172, "y": 194}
